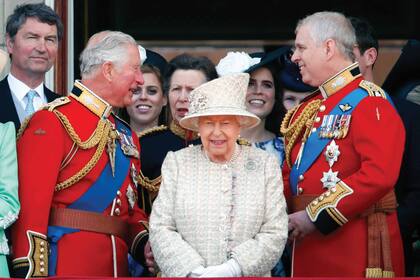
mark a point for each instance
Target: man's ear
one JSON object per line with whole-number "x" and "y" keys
{"x": 9, "y": 44}
{"x": 370, "y": 55}
{"x": 107, "y": 69}
{"x": 330, "y": 48}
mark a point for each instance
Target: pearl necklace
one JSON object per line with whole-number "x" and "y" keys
{"x": 228, "y": 163}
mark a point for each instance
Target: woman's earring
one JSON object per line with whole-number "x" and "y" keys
{"x": 198, "y": 134}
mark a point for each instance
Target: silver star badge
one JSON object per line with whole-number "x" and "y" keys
{"x": 131, "y": 196}
{"x": 331, "y": 153}
{"x": 329, "y": 179}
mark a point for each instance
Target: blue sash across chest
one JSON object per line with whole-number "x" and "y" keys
{"x": 96, "y": 199}
{"x": 315, "y": 145}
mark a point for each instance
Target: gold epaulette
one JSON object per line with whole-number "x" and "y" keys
{"x": 49, "y": 106}
{"x": 56, "y": 103}
{"x": 152, "y": 185}
{"x": 243, "y": 141}
{"x": 372, "y": 89}
{"x": 152, "y": 130}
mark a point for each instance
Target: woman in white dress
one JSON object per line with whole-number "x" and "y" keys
{"x": 220, "y": 211}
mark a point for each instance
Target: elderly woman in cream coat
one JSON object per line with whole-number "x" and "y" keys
{"x": 220, "y": 211}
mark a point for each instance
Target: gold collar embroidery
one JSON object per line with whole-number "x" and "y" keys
{"x": 340, "y": 80}
{"x": 93, "y": 102}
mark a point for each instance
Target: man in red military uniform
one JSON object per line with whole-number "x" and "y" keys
{"x": 77, "y": 162}
{"x": 344, "y": 146}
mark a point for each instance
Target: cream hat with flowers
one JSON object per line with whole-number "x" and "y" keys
{"x": 221, "y": 96}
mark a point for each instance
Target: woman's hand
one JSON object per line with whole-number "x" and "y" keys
{"x": 150, "y": 260}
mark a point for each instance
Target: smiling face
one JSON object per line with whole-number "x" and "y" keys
{"x": 33, "y": 49}
{"x": 260, "y": 96}
{"x": 218, "y": 136}
{"x": 148, "y": 101}
{"x": 126, "y": 78}
{"x": 310, "y": 57}
{"x": 182, "y": 83}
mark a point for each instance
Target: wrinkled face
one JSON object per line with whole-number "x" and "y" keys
{"x": 126, "y": 78}
{"x": 148, "y": 101}
{"x": 260, "y": 96}
{"x": 309, "y": 56}
{"x": 33, "y": 49}
{"x": 292, "y": 98}
{"x": 182, "y": 83}
{"x": 218, "y": 136}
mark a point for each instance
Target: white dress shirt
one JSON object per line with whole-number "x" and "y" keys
{"x": 19, "y": 91}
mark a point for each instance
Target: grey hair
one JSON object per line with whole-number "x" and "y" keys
{"x": 111, "y": 47}
{"x": 331, "y": 25}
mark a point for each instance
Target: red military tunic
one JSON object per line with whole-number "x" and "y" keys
{"x": 367, "y": 162}
{"x": 48, "y": 155}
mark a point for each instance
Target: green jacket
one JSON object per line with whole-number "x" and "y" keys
{"x": 9, "y": 202}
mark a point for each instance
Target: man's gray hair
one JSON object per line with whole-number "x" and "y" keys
{"x": 331, "y": 25}
{"x": 111, "y": 47}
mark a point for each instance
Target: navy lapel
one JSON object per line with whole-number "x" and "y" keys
{"x": 50, "y": 95}
{"x": 7, "y": 106}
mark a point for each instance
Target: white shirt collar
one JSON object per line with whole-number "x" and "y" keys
{"x": 20, "y": 89}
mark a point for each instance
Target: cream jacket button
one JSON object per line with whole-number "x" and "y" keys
{"x": 322, "y": 108}
{"x": 117, "y": 211}
{"x": 300, "y": 190}
{"x": 314, "y": 129}
{"x": 301, "y": 177}
{"x": 318, "y": 119}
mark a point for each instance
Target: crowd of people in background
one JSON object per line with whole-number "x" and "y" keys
{"x": 260, "y": 164}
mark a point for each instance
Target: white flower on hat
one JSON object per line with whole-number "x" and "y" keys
{"x": 235, "y": 62}
{"x": 143, "y": 55}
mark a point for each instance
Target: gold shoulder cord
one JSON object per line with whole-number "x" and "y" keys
{"x": 99, "y": 137}
{"x": 292, "y": 131}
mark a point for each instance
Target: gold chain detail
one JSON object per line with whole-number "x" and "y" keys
{"x": 304, "y": 120}
{"x": 92, "y": 162}
{"x": 150, "y": 185}
{"x": 92, "y": 141}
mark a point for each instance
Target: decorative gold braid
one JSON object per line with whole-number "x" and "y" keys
{"x": 22, "y": 128}
{"x": 92, "y": 141}
{"x": 292, "y": 131}
{"x": 92, "y": 162}
{"x": 150, "y": 185}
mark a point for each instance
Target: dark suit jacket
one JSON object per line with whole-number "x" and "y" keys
{"x": 407, "y": 188}
{"x": 7, "y": 107}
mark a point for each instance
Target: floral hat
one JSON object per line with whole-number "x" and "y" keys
{"x": 221, "y": 96}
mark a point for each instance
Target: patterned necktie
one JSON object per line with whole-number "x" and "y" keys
{"x": 29, "y": 110}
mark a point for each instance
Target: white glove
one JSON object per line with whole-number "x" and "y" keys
{"x": 196, "y": 272}
{"x": 230, "y": 268}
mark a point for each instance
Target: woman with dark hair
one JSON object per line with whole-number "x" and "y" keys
{"x": 264, "y": 97}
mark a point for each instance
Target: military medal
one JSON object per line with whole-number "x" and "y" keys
{"x": 133, "y": 173}
{"x": 113, "y": 135}
{"x": 329, "y": 179}
{"x": 128, "y": 147}
{"x": 131, "y": 197}
{"x": 331, "y": 153}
